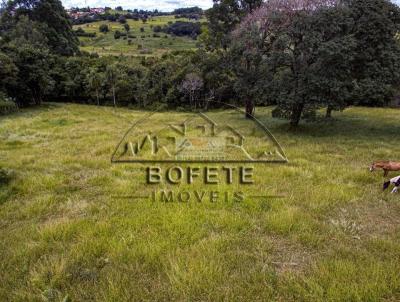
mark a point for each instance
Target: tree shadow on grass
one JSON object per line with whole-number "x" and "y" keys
{"x": 343, "y": 127}
{"x": 32, "y": 110}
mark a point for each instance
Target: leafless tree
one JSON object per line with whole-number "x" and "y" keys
{"x": 191, "y": 87}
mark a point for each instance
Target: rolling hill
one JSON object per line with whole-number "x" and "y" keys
{"x": 141, "y": 43}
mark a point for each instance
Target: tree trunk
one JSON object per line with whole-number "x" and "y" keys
{"x": 329, "y": 112}
{"x": 249, "y": 109}
{"x": 296, "y": 115}
{"x": 115, "y": 102}
{"x": 37, "y": 100}
{"x": 98, "y": 99}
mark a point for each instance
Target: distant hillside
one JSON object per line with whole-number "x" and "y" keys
{"x": 144, "y": 37}
{"x": 92, "y": 14}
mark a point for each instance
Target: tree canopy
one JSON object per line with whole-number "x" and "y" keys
{"x": 304, "y": 55}
{"x": 50, "y": 19}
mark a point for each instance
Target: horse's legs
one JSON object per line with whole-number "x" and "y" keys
{"x": 395, "y": 189}
{"x": 386, "y": 172}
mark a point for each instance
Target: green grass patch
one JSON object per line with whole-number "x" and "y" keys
{"x": 64, "y": 235}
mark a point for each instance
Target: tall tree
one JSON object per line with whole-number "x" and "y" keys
{"x": 53, "y": 20}
{"x": 223, "y": 17}
{"x": 376, "y": 67}
{"x": 127, "y": 27}
{"x": 335, "y": 55}
{"x": 300, "y": 51}
{"x": 8, "y": 73}
{"x": 33, "y": 76}
{"x": 95, "y": 80}
{"x": 112, "y": 75}
{"x": 191, "y": 86}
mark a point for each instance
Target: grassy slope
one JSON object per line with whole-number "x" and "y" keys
{"x": 335, "y": 237}
{"x": 105, "y": 44}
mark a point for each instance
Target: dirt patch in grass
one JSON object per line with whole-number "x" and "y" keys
{"x": 70, "y": 211}
{"x": 369, "y": 220}
{"x": 290, "y": 256}
{"x": 281, "y": 254}
{"x": 379, "y": 219}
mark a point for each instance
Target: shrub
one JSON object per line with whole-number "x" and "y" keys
{"x": 122, "y": 19}
{"x": 142, "y": 29}
{"x": 157, "y": 29}
{"x": 117, "y": 34}
{"x": 81, "y": 33}
{"x": 104, "y": 28}
{"x": 6, "y": 106}
{"x": 112, "y": 18}
{"x": 181, "y": 28}
{"x": 5, "y": 176}
{"x": 158, "y": 106}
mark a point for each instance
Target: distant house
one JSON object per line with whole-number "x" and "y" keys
{"x": 92, "y": 12}
{"x": 97, "y": 10}
{"x": 77, "y": 15}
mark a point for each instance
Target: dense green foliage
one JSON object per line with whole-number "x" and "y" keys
{"x": 181, "y": 28}
{"x": 34, "y": 34}
{"x": 140, "y": 82}
{"x": 376, "y": 67}
{"x": 81, "y": 33}
{"x": 103, "y": 28}
{"x": 47, "y": 17}
{"x": 6, "y": 107}
{"x": 188, "y": 11}
{"x": 318, "y": 55}
{"x": 223, "y": 19}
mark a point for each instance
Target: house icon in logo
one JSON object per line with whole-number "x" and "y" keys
{"x": 198, "y": 138}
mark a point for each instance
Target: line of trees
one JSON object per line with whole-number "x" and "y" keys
{"x": 303, "y": 55}
{"x": 191, "y": 13}
{"x": 180, "y": 28}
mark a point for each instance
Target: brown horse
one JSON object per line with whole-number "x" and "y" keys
{"x": 386, "y": 166}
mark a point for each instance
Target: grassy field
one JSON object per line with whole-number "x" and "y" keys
{"x": 64, "y": 235}
{"x": 105, "y": 44}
